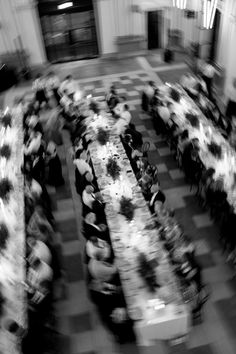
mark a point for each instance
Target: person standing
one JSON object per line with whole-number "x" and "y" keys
{"x": 39, "y": 89}
{"x": 208, "y": 73}
{"x": 231, "y": 105}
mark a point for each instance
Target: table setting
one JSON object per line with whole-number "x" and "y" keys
{"x": 215, "y": 150}
{"x": 150, "y": 286}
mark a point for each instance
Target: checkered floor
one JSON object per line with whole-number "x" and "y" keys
{"x": 79, "y": 327}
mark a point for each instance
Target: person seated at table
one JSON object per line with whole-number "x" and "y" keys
{"x": 34, "y": 142}
{"x": 147, "y": 95}
{"x": 183, "y": 140}
{"x": 123, "y": 121}
{"x": 112, "y": 98}
{"x": 106, "y": 293}
{"x": 216, "y": 198}
{"x": 88, "y": 198}
{"x": 156, "y": 195}
{"x": 39, "y": 89}
{"x": 70, "y": 86}
{"x": 38, "y": 249}
{"x": 137, "y": 138}
{"x": 231, "y": 105}
{"x": 120, "y": 107}
{"x": 192, "y": 270}
{"x": 52, "y": 85}
{"x": 91, "y": 227}
{"x": 95, "y": 244}
{"x": 81, "y": 163}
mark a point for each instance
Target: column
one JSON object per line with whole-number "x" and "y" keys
{"x": 26, "y": 15}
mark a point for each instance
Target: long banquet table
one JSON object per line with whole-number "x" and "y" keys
{"x": 159, "y": 315}
{"x": 12, "y": 263}
{"x": 225, "y": 168}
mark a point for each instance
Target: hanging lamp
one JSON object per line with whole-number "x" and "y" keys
{"x": 209, "y": 11}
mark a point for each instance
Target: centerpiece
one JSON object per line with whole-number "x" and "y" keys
{"x": 5, "y": 151}
{"x": 102, "y": 136}
{"x": 147, "y": 272}
{"x": 127, "y": 208}
{"x": 5, "y": 188}
{"x": 4, "y": 235}
{"x": 193, "y": 120}
{"x": 215, "y": 150}
{"x": 113, "y": 169}
{"x": 174, "y": 94}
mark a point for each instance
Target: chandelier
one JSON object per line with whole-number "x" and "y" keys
{"x": 209, "y": 10}
{"x": 180, "y": 4}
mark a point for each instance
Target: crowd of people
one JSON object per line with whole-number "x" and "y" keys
{"x": 58, "y": 106}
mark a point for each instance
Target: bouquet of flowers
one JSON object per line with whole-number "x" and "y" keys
{"x": 127, "y": 208}
{"x": 113, "y": 169}
{"x": 174, "y": 94}
{"x": 6, "y": 120}
{"x": 102, "y": 136}
{"x": 5, "y": 188}
{"x": 147, "y": 272}
{"x": 193, "y": 120}
{"x": 215, "y": 150}
{"x": 4, "y": 235}
{"x": 5, "y": 151}
{"x": 94, "y": 106}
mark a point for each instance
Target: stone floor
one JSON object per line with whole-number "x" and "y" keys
{"x": 78, "y": 324}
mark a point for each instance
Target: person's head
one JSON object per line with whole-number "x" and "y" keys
{"x": 195, "y": 142}
{"x": 68, "y": 78}
{"x": 155, "y": 187}
{"x": 36, "y": 262}
{"x": 39, "y": 76}
{"x": 89, "y": 177}
{"x": 89, "y": 189}
{"x": 90, "y": 218}
{"x": 185, "y": 134}
{"x": 126, "y": 107}
{"x": 151, "y": 83}
{"x": 122, "y": 99}
{"x": 31, "y": 242}
{"x": 210, "y": 172}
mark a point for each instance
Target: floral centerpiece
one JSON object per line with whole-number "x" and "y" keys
{"x": 193, "y": 120}
{"x": 5, "y": 188}
{"x": 4, "y": 235}
{"x": 6, "y": 120}
{"x": 94, "y": 106}
{"x": 175, "y": 95}
{"x": 113, "y": 169}
{"x": 147, "y": 272}
{"x": 215, "y": 150}
{"x": 127, "y": 208}
{"x": 102, "y": 136}
{"x": 5, "y": 151}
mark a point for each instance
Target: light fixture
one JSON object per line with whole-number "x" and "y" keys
{"x": 65, "y": 5}
{"x": 209, "y": 11}
{"x": 180, "y": 4}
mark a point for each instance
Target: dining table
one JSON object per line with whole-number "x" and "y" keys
{"x": 13, "y": 320}
{"x": 159, "y": 314}
{"x": 207, "y": 133}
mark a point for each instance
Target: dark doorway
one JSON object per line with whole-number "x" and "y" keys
{"x": 155, "y": 22}
{"x": 69, "y": 34}
{"x": 215, "y": 36}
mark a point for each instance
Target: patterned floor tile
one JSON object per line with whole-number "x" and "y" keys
{"x": 201, "y": 247}
{"x": 68, "y": 229}
{"x": 80, "y": 323}
{"x": 161, "y": 168}
{"x": 221, "y": 291}
{"x": 82, "y": 342}
{"x": 176, "y": 174}
{"x": 206, "y": 260}
{"x": 140, "y": 128}
{"x": 73, "y": 268}
{"x": 219, "y": 273}
{"x": 71, "y": 247}
{"x": 164, "y": 151}
{"x": 203, "y": 349}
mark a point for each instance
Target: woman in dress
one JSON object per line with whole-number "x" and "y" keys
{"x": 54, "y": 124}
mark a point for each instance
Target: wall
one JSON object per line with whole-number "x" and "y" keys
{"x": 20, "y": 18}
{"x": 226, "y": 56}
{"x": 116, "y": 18}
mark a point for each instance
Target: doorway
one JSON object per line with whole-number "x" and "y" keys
{"x": 69, "y": 34}
{"x": 155, "y": 27}
{"x": 215, "y": 36}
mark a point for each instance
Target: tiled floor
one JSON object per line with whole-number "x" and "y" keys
{"x": 79, "y": 327}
